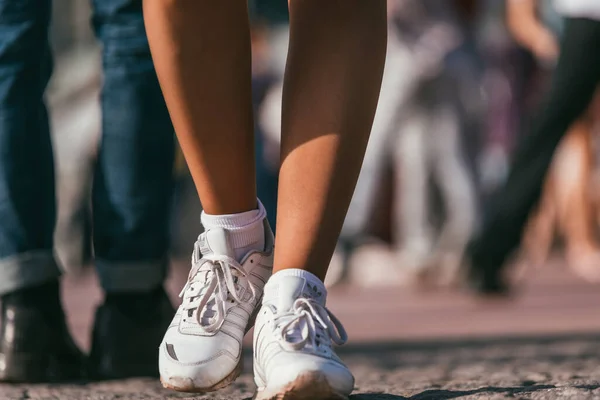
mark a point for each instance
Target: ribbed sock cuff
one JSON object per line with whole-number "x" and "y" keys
{"x": 245, "y": 229}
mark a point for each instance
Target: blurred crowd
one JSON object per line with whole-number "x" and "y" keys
{"x": 462, "y": 80}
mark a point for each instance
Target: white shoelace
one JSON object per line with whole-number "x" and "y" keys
{"x": 309, "y": 322}
{"x": 213, "y": 281}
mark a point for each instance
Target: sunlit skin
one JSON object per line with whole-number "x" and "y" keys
{"x": 337, "y": 51}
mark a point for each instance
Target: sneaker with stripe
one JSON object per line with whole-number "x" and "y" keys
{"x": 202, "y": 348}
{"x": 294, "y": 357}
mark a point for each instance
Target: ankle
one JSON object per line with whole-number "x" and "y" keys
{"x": 246, "y": 230}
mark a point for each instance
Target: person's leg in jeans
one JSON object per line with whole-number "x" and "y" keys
{"x": 35, "y": 343}
{"x": 202, "y": 55}
{"x": 132, "y": 191}
{"x": 573, "y": 86}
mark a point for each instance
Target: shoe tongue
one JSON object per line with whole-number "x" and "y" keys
{"x": 216, "y": 241}
{"x": 291, "y": 288}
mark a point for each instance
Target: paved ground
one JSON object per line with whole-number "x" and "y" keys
{"x": 559, "y": 368}
{"x": 543, "y": 344}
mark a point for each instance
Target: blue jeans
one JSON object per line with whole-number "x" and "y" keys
{"x": 133, "y": 176}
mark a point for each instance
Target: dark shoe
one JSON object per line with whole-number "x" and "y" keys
{"x": 487, "y": 281}
{"x": 487, "y": 277}
{"x": 35, "y": 344}
{"x": 127, "y": 333}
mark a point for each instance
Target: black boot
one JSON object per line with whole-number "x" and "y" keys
{"x": 35, "y": 344}
{"x": 127, "y": 333}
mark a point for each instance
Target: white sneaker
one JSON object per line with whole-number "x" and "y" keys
{"x": 201, "y": 350}
{"x": 293, "y": 337}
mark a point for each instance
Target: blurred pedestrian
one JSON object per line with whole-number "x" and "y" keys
{"x": 506, "y": 70}
{"x": 418, "y": 131}
{"x": 131, "y": 201}
{"x": 264, "y": 78}
{"x": 428, "y": 144}
{"x": 573, "y": 86}
{"x": 203, "y": 58}
{"x": 566, "y": 202}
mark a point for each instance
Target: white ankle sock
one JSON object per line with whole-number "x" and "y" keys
{"x": 293, "y": 283}
{"x": 246, "y": 230}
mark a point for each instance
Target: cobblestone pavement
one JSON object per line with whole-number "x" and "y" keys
{"x": 542, "y": 344}
{"x": 524, "y": 368}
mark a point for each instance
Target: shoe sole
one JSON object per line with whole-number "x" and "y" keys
{"x": 309, "y": 386}
{"x": 185, "y": 384}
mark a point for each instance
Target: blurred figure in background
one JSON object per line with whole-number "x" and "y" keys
{"x": 566, "y": 202}
{"x": 270, "y": 39}
{"x": 72, "y": 101}
{"x": 428, "y": 142}
{"x": 265, "y": 75}
{"x": 574, "y": 84}
{"x": 502, "y": 85}
{"x": 131, "y": 201}
{"x": 418, "y": 132}
{"x": 274, "y": 14}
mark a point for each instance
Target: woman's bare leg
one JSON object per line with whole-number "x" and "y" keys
{"x": 572, "y": 174}
{"x": 202, "y": 56}
{"x": 332, "y": 82}
{"x": 331, "y": 88}
{"x": 540, "y": 229}
{"x": 201, "y": 50}
{"x": 566, "y": 204}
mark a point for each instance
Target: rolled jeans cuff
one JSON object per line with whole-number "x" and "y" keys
{"x": 124, "y": 276}
{"x": 28, "y": 269}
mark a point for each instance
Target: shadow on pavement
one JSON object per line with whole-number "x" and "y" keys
{"x": 452, "y": 394}
{"x": 456, "y": 394}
